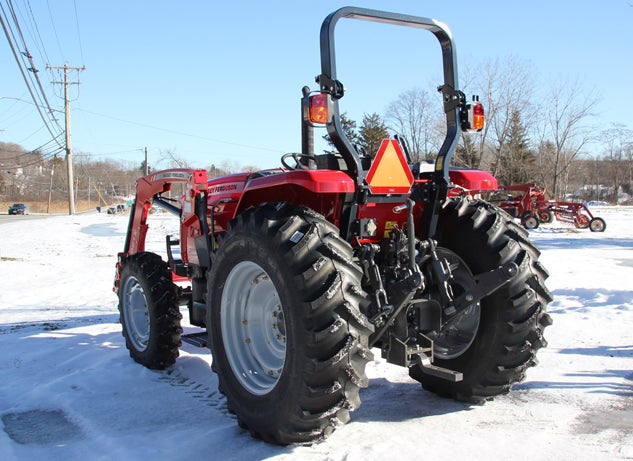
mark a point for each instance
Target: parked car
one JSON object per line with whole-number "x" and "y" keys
{"x": 18, "y": 208}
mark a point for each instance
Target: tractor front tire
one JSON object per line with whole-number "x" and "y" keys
{"x": 288, "y": 338}
{"x": 149, "y": 311}
{"x": 512, "y": 319}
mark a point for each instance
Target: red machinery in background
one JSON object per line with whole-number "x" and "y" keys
{"x": 527, "y": 202}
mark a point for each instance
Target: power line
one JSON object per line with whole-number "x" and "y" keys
{"x": 4, "y": 20}
{"x": 43, "y": 53}
{"x": 180, "y": 133}
{"x": 14, "y": 113}
{"x": 32, "y": 67}
{"x": 12, "y": 117}
{"x": 44, "y": 152}
{"x": 50, "y": 13}
{"x": 37, "y": 160}
{"x": 24, "y": 48}
{"x": 81, "y": 50}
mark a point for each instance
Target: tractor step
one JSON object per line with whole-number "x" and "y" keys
{"x": 423, "y": 361}
{"x": 443, "y": 373}
{"x": 196, "y": 339}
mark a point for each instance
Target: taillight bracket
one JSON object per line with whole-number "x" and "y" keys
{"x": 452, "y": 98}
{"x": 333, "y": 87}
{"x": 471, "y": 116}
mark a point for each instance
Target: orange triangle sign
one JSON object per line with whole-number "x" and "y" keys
{"x": 389, "y": 172}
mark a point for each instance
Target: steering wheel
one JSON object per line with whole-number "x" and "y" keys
{"x": 297, "y": 159}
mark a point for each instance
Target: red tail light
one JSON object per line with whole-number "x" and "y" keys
{"x": 472, "y": 116}
{"x": 478, "y": 116}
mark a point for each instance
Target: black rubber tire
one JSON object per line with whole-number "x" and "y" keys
{"x": 512, "y": 319}
{"x": 597, "y": 225}
{"x": 326, "y": 335}
{"x": 148, "y": 302}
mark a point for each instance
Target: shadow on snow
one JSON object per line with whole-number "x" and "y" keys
{"x": 591, "y": 382}
{"x": 585, "y": 299}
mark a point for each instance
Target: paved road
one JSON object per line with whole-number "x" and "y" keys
{"x": 5, "y": 218}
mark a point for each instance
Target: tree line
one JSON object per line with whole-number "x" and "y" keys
{"x": 34, "y": 177}
{"x": 548, "y": 138}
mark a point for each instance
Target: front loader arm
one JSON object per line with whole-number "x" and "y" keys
{"x": 148, "y": 192}
{"x": 149, "y": 189}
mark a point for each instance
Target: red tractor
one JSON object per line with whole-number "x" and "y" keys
{"x": 298, "y": 273}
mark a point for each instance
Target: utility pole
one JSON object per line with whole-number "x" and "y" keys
{"x": 50, "y": 189}
{"x": 69, "y": 161}
{"x": 146, "y": 164}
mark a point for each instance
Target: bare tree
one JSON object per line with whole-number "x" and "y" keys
{"x": 415, "y": 115}
{"x": 173, "y": 161}
{"x": 564, "y": 132}
{"x": 616, "y": 143}
{"x": 466, "y": 154}
{"x": 505, "y": 86}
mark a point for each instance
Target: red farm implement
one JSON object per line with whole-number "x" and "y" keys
{"x": 527, "y": 203}
{"x": 576, "y": 213}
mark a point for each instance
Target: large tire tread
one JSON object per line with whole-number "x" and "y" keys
{"x": 513, "y": 317}
{"x": 162, "y": 298}
{"x": 335, "y": 332}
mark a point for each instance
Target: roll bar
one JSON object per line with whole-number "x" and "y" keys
{"x": 328, "y": 83}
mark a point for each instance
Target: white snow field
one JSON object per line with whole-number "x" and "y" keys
{"x": 70, "y": 391}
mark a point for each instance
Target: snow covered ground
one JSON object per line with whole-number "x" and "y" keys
{"x": 69, "y": 390}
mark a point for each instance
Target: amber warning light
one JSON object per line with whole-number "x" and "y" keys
{"x": 319, "y": 108}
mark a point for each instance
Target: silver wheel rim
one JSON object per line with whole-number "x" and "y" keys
{"x": 531, "y": 223}
{"x": 451, "y": 342}
{"x": 136, "y": 313}
{"x": 253, "y": 328}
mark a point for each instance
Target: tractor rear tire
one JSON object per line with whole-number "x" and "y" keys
{"x": 512, "y": 319}
{"x": 149, "y": 311}
{"x": 287, "y": 333}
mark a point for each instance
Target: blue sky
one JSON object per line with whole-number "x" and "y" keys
{"x": 220, "y": 81}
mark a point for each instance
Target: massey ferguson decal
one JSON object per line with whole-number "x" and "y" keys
{"x": 223, "y": 188}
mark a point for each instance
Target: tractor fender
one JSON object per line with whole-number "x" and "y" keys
{"x": 321, "y": 190}
{"x": 473, "y": 179}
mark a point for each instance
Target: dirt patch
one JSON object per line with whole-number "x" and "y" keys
{"x": 618, "y": 419}
{"x": 42, "y": 427}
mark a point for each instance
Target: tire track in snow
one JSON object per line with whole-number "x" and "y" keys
{"x": 199, "y": 391}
